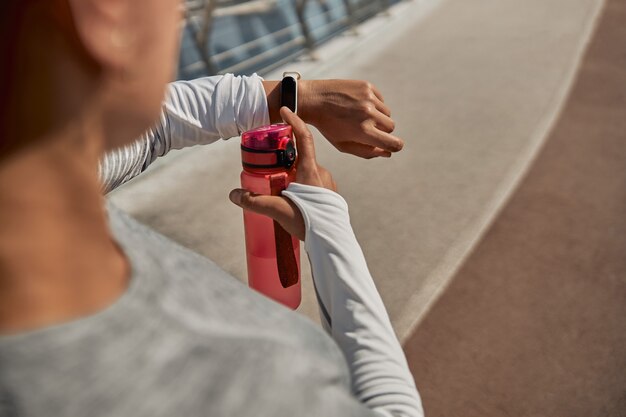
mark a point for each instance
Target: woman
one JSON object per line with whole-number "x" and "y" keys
{"x": 102, "y": 316}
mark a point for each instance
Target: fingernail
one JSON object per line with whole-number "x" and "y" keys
{"x": 235, "y": 196}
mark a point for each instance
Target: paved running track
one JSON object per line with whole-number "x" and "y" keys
{"x": 497, "y": 236}
{"x": 534, "y": 323}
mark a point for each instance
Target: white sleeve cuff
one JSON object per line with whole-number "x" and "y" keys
{"x": 204, "y": 110}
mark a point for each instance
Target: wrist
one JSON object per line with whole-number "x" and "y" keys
{"x": 308, "y": 100}
{"x": 272, "y": 93}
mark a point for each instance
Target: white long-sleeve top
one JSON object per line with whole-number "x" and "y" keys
{"x": 210, "y": 319}
{"x": 351, "y": 308}
{"x": 195, "y": 112}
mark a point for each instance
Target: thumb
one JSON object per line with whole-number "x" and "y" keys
{"x": 277, "y": 208}
{"x": 259, "y": 203}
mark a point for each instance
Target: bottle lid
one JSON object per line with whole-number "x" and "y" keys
{"x": 267, "y": 137}
{"x": 268, "y": 148}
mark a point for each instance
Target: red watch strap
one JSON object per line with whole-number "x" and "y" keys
{"x": 285, "y": 257}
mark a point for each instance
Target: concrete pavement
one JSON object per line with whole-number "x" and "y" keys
{"x": 534, "y": 322}
{"x": 474, "y": 87}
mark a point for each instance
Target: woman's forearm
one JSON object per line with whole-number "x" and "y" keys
{"x": 196, "y": 112}
{"x": 351, "y": 308}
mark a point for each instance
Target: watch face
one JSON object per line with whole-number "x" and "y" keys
{"x": 288, "y": 93}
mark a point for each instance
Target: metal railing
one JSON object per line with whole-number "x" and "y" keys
{"x": 290, "y": 28}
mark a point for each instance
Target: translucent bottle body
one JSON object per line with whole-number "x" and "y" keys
{"x": 261, "y": 252}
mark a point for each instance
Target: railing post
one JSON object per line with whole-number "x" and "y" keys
{"x": 350, "y": 16}
{"x": 202, "y": 35}
{"x": 304, "y": 28}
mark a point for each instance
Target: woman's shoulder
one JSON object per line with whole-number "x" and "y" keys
{"x": 191, "y": 336}
{"x": 202, "y": 299}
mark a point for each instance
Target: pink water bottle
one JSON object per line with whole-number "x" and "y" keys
{"x": 268, "y": 155}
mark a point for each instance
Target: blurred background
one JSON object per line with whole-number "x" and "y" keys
{"x": 497, "y": 237}
{"x": 247, "y": 36}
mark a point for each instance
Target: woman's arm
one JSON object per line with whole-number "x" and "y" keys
{"x": 194, "y": 113}
{"x": 351, "y": 308}
{"x": 350, "y": 114}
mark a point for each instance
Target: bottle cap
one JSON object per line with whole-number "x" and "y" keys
{"x": 267, "y": 137}
{"x": 268, "y": 147}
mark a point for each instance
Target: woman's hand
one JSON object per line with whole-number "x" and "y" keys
{"x": 308, "y": 172}
{"x": 351, "y": 114}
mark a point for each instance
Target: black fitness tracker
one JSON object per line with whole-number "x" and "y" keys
{"x": 289, "y": 90}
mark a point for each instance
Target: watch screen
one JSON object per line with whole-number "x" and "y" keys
{"x": 288, "y": 93}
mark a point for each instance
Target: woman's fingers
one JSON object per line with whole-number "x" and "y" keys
{"x": 384, "y": 123}
{"x": 382, "y": 107}
{"x": 280, "y": 209}
{"x": 304, "y": 138}
{"x": 363, "y": 151}
{"x": 389, "y": 142}
{"x": 373, "y": 136}
{"x": 376, "y": 92}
